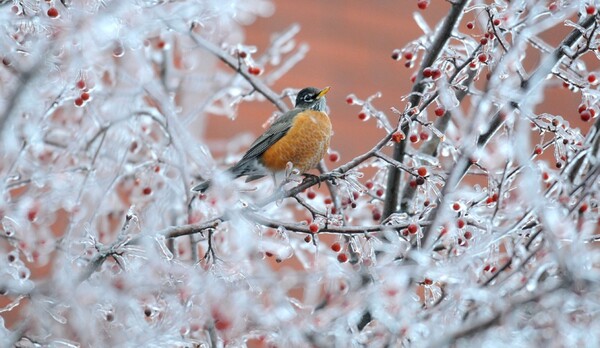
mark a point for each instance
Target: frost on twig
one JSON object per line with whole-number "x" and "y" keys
{"x": 481, "y": 220}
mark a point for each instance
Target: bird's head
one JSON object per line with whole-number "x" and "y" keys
{"x": 312, "y": 98}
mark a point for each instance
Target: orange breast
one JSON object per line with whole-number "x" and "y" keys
{"x": 304, "y": 145}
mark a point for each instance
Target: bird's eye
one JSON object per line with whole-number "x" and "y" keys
{"x": 308, "y": 97}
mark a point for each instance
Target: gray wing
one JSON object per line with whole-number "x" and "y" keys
{"x": 248, "y": 164}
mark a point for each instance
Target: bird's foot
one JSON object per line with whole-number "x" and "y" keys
{"x": 311, "y": 177}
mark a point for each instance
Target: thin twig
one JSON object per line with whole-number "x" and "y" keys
{"x": 257, "y": 84}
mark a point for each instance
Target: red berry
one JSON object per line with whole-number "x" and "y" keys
{"x": 32, "y": 214}
{"x": 369, "y": 185}
{"x": 376, "y": 215}
{"x": 422, "y": 4}
{"x": 545, "y": 176}
{"x": 147, "y": 190}
{"x": 254, "y": 70}
{"x": 440, "y": 111}
{"x": 456, "y": 206}
{"x": 350, "y": 100}
{"x": 422, "y": 171}
{"x": 308, "y": 239}
{"x": 398, "y": 136}
{"x": 408, "y": 55}
{"x": 412, "y": 228}
{"x": 336, "y": 247}
{"x": 537, "y": 150}
{"x": 79, "y": 102}
{"x": 585, "y": 115}
{"x": 85, "y": 96}
{"x": 583, "y": 208}
{"x": 590, "y": 9}
{"x": 483, "y": 41}
{"x": 591, "y": 78}
{"x": 470, "y": 25}
{"x": 581, "y": 108}
{"x": 161, "y": 44}
{"x": 436, "y": 74}
{"x": 414, "y": 138}
{"x": 311, "y": 194}
{"x": 420, "y": 181}
{"x": 460, "y": 223}
{"x": 52, "y": 12}
{"x": 496, "y": 21}
{"x": 427, "y": 72}
{"x": 342, "y": 258}
{"x": 334, "y": 156}
{"x": 362, "y": 116}
{"x": 468, "y": 235}
{"x": 427, "y": 281}
{"x": 327, "y": 200}
{"x": 424, "y": 135}
{"x": 553, "y": 7}
{"x": 412, "y": 183}
{"x": 313, "y": 228}
{"x": 482, "y": 57}
{"x": 221, "y": 324}
{"x": 379, "y": 192}
{"x": 80, "y": 84}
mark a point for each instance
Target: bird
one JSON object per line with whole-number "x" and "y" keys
{"x": 300, "y": 136}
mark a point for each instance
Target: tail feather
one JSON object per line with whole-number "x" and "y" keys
{"x": 251, "y": 169}
{"x": 202, "y": 187}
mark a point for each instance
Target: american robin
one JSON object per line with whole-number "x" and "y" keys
{"x": 300, "y": 136}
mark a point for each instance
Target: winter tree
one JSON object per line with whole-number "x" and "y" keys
{"x": 471, "y": 222}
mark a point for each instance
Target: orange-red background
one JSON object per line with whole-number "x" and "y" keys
{"x": 350, "y": 49}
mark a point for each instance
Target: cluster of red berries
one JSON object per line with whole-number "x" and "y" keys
{"x": 84, "y": 97}
{"x": 586, "y": 113}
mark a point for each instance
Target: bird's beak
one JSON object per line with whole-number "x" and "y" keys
{"x": 323, "y": 92}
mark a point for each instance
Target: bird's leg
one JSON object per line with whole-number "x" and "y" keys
{"x": 278, "y": 186}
